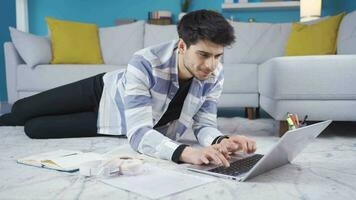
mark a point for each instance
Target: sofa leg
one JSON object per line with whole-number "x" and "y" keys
{"x": 258, "y": 112}
{"x": 250, "y": 113}
{"x": 283, "y": 128}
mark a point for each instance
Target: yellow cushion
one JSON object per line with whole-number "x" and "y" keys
{"x": 316, "y": 39}
{"x": 74, "y": 43}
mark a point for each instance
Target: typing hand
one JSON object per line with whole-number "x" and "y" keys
{"x": 204, "y": 156}
{"x": 238, "y": 143}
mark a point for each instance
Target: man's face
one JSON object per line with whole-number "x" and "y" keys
{"x": 200, "y": 59}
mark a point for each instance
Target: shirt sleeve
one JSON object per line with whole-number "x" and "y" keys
{"x": 205, "y": 120}
{"x": 136, "y": 103}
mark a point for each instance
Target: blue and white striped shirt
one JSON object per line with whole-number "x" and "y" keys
{"x": 135, "y": 99}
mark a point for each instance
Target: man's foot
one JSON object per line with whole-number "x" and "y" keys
{"x": 8, "y": 119}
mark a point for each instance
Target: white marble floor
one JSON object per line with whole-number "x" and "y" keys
{"x": 324, "y": 170}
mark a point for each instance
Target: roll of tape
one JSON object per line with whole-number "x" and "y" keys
{"x": 113, "y": 167}
{"x": 131, "y": 167}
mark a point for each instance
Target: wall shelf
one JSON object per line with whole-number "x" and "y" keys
{"x": 261, "y": 5}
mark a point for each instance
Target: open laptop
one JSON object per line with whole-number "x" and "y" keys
{"x": 243, "y": 167}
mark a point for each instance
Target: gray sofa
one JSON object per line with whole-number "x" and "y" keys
{"x": 117, "y": 45}
{"x": 257, "y": 75}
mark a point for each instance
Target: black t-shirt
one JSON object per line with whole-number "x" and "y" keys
{"x": 175, "y": 106}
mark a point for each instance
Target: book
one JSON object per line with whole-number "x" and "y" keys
{"x": 160, "y": 21}
{"x": 61, "y": 160}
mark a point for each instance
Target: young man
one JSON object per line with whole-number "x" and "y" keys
{"x": 164, "y": 90}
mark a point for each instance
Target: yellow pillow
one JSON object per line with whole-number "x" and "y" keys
{"x": 74, "y": 43}
{"x": 315, "y": 39}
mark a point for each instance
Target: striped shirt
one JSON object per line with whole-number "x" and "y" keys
{"x": 135, "y": 99}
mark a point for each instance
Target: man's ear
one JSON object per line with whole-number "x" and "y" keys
{"x": 181, "y": 46}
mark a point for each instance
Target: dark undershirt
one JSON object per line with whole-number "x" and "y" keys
{"x": 175, "y": 106}
{"x": 173, "y": 112}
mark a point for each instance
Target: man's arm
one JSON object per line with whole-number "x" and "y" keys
{"x": 205, "y": 126}
{"x": 136, "y": 103}
{"x": 205, "y": 120}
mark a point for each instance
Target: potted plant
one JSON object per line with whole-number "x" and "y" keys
{"x": 184, "y": 8}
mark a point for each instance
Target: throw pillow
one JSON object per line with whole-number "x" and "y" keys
{"x": 119, "y": 43}
{"x": 34, "y": 50}
{"x": 314, "y": 39}
{"x": 156, "y": 34}
{"x": 74, "y": 43}
{"x": 346, "y": 43}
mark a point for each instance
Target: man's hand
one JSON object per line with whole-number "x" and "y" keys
{"x": 204, "y": 156}
{"x": 238, "y": 143}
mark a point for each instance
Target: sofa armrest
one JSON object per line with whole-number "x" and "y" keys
{"x": 12, "y": 61}
{"x": 309, "y": 77}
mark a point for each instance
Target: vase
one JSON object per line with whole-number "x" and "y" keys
{"x": 181, "y": 15}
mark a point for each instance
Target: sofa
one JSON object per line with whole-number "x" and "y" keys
{"x": 257, "y": 74}
{"x": 117, "y": 43}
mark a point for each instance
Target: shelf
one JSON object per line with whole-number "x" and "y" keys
{"x": 261, "y": 5}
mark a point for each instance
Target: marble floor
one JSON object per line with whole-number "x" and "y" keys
{"x": 324, "y": 170}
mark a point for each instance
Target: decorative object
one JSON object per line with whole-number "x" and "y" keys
{"x": 119, "y": 22}
{"x": 310, "y": 10}
{"x": 229, "y": 1}
{"x": 251, "y": 20}
{"x": 160, "y": 17}
{"x": 184, "y": 8}
{"x": 261, "y": 5}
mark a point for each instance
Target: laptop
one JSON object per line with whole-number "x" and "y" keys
{"x": 246, "y": 166}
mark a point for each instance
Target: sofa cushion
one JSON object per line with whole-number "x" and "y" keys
{"x": 34, "y": 50}
{"x": 119, "y": 43}
{"x": 346, "y": 43}
{"x": 74, "y": 43}
{"x": 44, "y": 77}
{"x": 315, "y": 39}
{"x": 156, "y": 34}
{"x": 327, "y": 77}
{"x": 257, "y": 42}
{"x": 240, "y": 78}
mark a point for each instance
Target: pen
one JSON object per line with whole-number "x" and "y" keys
{"x": 305, "y": 118}
{"x": 297, "y": 119}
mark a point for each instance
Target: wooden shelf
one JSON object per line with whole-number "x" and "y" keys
{"x": 261, "y": 5}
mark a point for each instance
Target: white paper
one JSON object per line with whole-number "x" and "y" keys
{"x": 74, "y": 161}
{"x": 157, "y": 182}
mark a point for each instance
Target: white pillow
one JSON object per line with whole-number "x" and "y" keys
{"x": 257, "y": 42}
{"x": 119, "y": 43}
{"x": 34, "y": 50}
{"x": 346, "y": 42}
{"x": 156, "y": 34}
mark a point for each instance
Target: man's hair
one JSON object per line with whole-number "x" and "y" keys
{"x": 205, "y": 25}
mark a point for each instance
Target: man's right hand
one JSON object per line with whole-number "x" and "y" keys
{"x": 204, "y": 156}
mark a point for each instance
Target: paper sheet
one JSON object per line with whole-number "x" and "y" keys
{"x": 157, "y": 182}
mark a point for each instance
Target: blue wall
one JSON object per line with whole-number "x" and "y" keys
{"x": 105, "y": 12}
{"x": 7, "y": 18}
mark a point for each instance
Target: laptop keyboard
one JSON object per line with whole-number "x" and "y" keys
{"x": 239, "y": 166}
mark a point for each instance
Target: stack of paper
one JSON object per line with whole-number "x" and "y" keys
{"x": 158, "y": 182}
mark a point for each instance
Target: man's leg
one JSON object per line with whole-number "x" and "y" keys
{"x": 62, "y": 126}
{"x": 80, "y": 96}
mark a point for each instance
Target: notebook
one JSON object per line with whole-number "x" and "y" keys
{"x": 61, "y": 160}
